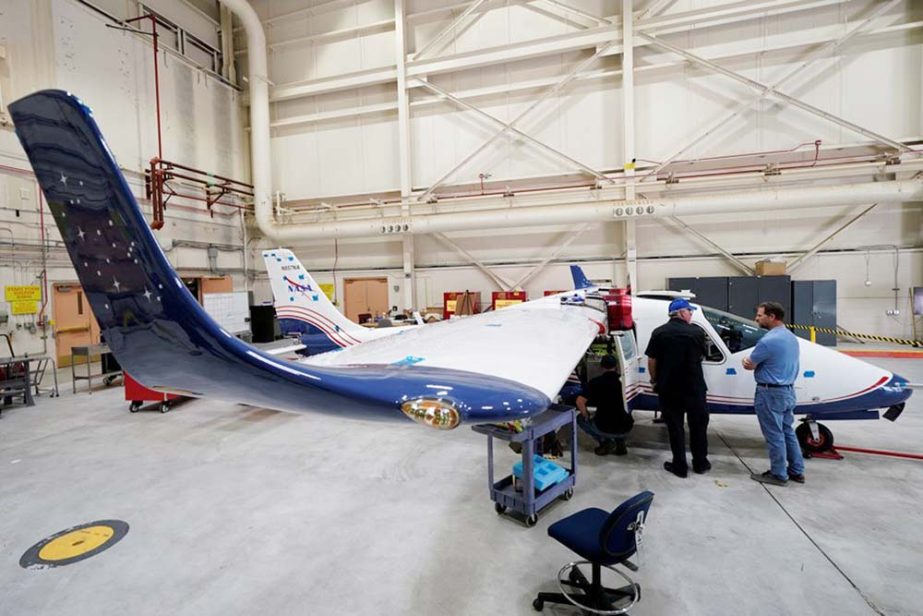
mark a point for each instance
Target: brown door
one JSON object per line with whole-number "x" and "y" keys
{"x": 216, "y": 284}
{"x": 74, "y": 323}
{"x": 365, "y": 296}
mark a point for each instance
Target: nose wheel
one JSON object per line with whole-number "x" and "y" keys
{"x": 814, "y": 438}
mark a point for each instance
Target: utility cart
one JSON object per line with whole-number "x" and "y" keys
{"x": 520, "y": 495}
{"x": 137, "y": 394}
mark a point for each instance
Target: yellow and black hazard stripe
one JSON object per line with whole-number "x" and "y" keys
{"x": 843, "y": 332}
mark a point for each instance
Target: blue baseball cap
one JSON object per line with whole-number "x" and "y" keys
{"x": 680, "y": 304}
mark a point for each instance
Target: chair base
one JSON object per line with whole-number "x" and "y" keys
{"x": 596, "y": 598}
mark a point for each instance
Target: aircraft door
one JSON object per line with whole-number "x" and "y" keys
{"x": 626, "y": 350}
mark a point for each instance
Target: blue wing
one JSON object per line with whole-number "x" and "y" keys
{"x": 160, "y": 334}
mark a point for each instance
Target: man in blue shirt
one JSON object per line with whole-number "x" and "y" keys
{"x": 775, "y": 362}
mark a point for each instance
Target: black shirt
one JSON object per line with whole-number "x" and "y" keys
{"x": 605, "y": 393}
{"x": 678, "y": 348}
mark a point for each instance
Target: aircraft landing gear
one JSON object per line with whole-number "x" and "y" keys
{"x": 814, "y": 438}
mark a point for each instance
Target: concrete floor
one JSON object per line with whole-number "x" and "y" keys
{"x": 236, "y": 510}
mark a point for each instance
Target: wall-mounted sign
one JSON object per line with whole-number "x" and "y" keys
{"x": 24, "y": 307}
{"x": 20, "y": 294}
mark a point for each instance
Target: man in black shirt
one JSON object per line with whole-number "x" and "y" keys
{"x": 675, "y": 354}
{"x": 611, "y": 423}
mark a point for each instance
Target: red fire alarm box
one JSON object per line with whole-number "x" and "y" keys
{"x": 618, "y": 308}
{"x": 503, "y": 299}
{"x": 461, "y": 303}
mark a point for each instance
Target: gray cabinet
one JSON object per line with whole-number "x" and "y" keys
{"x": 814, "y": 303}
{"x": 745, "y": 293}
{"x": 738, "y": 295}
{"x": 709, "y": 291}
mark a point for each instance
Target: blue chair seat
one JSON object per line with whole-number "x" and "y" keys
{"x": 580, "y": 533}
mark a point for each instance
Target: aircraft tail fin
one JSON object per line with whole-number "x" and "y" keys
{"x": 580, "y": 279}
{"x": 303, "y": 308}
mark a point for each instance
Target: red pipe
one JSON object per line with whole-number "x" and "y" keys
{"x": 881, "y": 452}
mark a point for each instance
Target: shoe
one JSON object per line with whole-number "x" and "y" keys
{"x": 796, "y": 478}
{"x": 701, "y": 470}
{"x": 620, "y": 448}
{"x": 668, "y": 466}
{"x": 605, "y": 449}
{"x": 769, "y": 478}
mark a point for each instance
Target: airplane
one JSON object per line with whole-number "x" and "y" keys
{"x": 303, "y": 309}
{"x": 441, "y": 375}
{"x": 830, "y": 386}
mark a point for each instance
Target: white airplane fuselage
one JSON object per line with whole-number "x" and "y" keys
{"x": 830, "y": 384}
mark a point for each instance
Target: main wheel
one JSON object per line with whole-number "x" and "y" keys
{"x": 532, "y": 520}
{"x": 823, "y": 442}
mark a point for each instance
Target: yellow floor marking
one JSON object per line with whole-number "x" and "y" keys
{"x": 76, "y": 543}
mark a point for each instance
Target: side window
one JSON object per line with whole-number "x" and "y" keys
{"x": 627, "y": 342}
{"x": 713, "y": 352}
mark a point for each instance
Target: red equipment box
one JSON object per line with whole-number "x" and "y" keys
{"x": 502, "y": 299}
{"x": 618, "y": 307}
{"x": 138, "y": 394}
{"x": 451, "y": 299}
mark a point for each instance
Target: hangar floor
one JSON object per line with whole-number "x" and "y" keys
{"x": 236, "y": 510}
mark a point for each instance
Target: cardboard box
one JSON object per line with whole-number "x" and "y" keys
{"x": 770, "y": 268}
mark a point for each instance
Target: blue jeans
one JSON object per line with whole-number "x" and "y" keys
{"x": 589, "y": 426}
{"x": 774, "y": 408}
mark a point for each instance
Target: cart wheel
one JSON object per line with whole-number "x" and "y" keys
{"x": 135, "y": 406}
{"x": 538, "y": 605}
{"x": 499, "y": 508}
{"x": 532, "y": 520}
{"x": 568, "y": 493}
{"x": 109, "y": 380}
{"x": 164, "y": 407}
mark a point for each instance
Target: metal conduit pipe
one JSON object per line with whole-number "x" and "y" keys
{"x": 590, "y": 208}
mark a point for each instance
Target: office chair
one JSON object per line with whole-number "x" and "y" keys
{"x": 604, "y": 540}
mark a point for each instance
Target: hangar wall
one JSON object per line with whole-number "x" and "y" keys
{"x": 335, "y": 132}
{"x": 68, "y": 45}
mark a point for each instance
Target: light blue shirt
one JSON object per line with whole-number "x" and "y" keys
{"x": 776, "y": 357}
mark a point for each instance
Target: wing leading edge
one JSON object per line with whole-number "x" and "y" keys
{"x": 160, "y": 334}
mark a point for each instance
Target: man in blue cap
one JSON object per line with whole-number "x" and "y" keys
{"x": 675, "y": 353}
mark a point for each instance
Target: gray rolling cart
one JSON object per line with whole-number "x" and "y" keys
{"x": 525, "y": 501}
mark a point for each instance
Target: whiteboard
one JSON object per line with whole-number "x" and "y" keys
{"x": 230, "y": 310}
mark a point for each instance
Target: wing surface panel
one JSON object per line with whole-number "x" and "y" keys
{"x": 160, "y": 334}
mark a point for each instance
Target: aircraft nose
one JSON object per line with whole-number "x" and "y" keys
{"x": 899, "y": 387}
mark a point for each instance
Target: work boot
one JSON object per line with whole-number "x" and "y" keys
{"x": 796, "y": 478}
{"x": 769, "y": 478}
{"x": 701, "y": 469}
{"x": 620, "y": 448}
{"x": 668, "y": 466}
{"x": 604, "y": 449}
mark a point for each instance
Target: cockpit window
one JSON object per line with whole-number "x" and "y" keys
{"x": 739, "y": 334}
{"x": 713, "y": 353}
